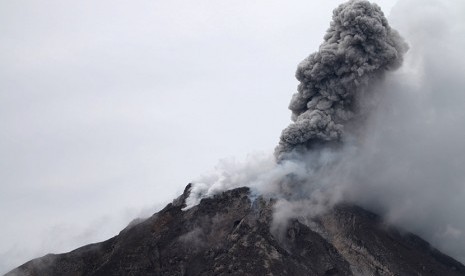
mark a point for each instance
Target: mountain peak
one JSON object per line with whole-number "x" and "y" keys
{"x": 234, "y": 233}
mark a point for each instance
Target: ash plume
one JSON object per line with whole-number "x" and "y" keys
{"x": 401, "y": 157}
{"x": 358, "y": 48}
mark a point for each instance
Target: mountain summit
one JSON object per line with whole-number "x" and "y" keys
{"x": 232, "y": 233}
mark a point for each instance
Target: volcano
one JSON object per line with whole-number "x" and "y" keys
{"x": 232, "y": 233}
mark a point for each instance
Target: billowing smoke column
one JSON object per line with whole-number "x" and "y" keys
{"x": 358, "y": 48}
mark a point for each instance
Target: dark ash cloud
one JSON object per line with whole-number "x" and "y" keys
{"x": 358, "y": 48}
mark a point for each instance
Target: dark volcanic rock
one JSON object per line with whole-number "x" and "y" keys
{"x": 229, "y": 234}
{"x": 374, "y": 248}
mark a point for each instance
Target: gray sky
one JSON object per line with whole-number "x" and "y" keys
{"x": 108, "y": 109}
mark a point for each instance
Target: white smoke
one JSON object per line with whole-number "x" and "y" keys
{"x": 410, "y": 163}
{"x": 406, "y": 164}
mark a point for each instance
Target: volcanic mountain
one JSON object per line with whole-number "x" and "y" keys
{"x": 232, "y": 233}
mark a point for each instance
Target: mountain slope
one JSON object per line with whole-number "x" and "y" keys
{"x": 230, "y": 234}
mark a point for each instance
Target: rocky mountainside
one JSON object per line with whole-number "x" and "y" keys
{"x": 230, "y": 234}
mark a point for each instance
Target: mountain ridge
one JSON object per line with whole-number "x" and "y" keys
{"x": 230, "y": 234}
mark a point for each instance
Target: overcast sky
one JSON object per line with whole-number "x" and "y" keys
{"x": 109, "y": 108}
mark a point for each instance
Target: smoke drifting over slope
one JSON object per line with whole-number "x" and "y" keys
{"x": 400, "y": 155}
{"x": 410, "y": 165}
{"x": 404, "y": 161}
{"x": 358, "y": 48}
{"x": 338, "y": 88}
